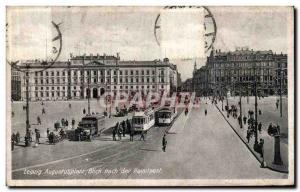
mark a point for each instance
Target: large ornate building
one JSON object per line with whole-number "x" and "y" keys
{"x": 238, "y": 71}
{"x": 93, "y": 75}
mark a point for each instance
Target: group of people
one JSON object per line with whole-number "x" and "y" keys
{"x": 15, "y": 139}
{"x": 231, "y": 111}
{"x": 121, "y": 129}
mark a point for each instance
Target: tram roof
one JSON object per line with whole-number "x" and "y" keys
{"x": 142, "y": 113}
{"x": 165, "y": 109}
{"x": 95, "y": 116}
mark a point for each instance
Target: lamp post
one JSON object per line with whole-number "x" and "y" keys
{"x": 27, "y": 136}
{"x": 280, "y": 89}
{"x": 255, "y": 122}
{"x": 89, "y": 92}
{"x": 241, "y": 113}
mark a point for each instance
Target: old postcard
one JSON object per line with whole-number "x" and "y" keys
{"x": 150, "y": 96}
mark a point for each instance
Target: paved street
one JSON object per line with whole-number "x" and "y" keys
{"x": 55, "y": 111}
{"x": 199, "y": 147}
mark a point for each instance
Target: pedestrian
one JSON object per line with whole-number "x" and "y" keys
{"x": 259, "y": 112}
{"x": 164, "y": 143}
{"x": 37, "y": 136}
{"x": 205, "y": 112}
{"x": 12, "y": 114}
{"x": 48, "y": 132}
{"x": 278, "y": 129}
{"x": 73, "y": 123}
{"x": 259, "y": 127}
{"x": 261, "y": 148}
{"x": 114, "y": 134}
{"x": 39, "y": 120}
{"x": 43, "y": 111}
{"x": 277, "y": 105}
{"x": 30, "y": 135}
{"x": 12, "y": 141}
{"x": 245, "y": 119}
{"x": 240, "y": 120}
{"x": 124, "y": 128}
{"x": 120, "y": 133}
{"x": 83, "y": 111}
{"x": 131, "y": 134}
{"x": 186, "y": 111}
{"x": 142, "y": 136}
{"x": 62, "y": 122}
{"x": 248, "y": 135}
{"x": 51, "y": 138}
{"x": 13, "y": 137}
{"x": 17, "y": 137}
{"x": 70, "y": 106}
{"x": 67, "y": 122}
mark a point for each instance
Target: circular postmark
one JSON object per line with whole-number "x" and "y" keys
{"x": 210, "y": 27}
{"x": 55, "y": 52}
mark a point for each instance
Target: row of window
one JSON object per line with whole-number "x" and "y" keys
{"x": 95, "y": 80}
{"x": 94, "y": 72}
{"x": 52, "y": 88}
{"x": 108, "y": 87}
{"x": 262, "y": 78}
{"x": 259, "y": 64}
{"x": 48, "y": 94}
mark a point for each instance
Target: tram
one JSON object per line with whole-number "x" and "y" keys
{"x": 166, "y": 115}
{"x": 143, "y": 121}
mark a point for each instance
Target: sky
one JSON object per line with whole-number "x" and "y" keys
{"x": 130, "y": 31}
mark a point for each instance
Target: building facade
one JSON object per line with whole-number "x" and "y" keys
{"x": 236, "y": 72}
{"x": 15, "y": 85}
{"x": 91, "y": 76}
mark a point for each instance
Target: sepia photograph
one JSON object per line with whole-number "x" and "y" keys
{"x": 150, "y": 96}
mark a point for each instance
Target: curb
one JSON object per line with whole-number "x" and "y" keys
{"x": 258, "y": 159}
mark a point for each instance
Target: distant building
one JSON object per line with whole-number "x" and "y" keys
{"x": 235, "y": 72}
{"x": 15, "y": 85}
{"x": 187, "y": 85}
{"x": 93, "y": 75}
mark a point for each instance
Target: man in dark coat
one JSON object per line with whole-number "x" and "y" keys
{"x": 114, "y": 134}
{"x": 131, "y": 134}
{"x": 164, "y": 143}
{"x": 142, "y": 136}
{"x": 17, "y": 137}
{"x": 248, "y": 135}
{"x": 245, "y": 119}
{"x": 124, "y": 128}
{"x": 259, "y": 127}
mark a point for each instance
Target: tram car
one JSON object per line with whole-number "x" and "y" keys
{"x": 166, "y": 115}
{"x": 143, "y": 121}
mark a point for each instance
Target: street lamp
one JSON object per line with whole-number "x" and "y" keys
{"x": 27, "y": 136}
{"x": 89, "y": 92}
{"x": 256, "y": 146}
